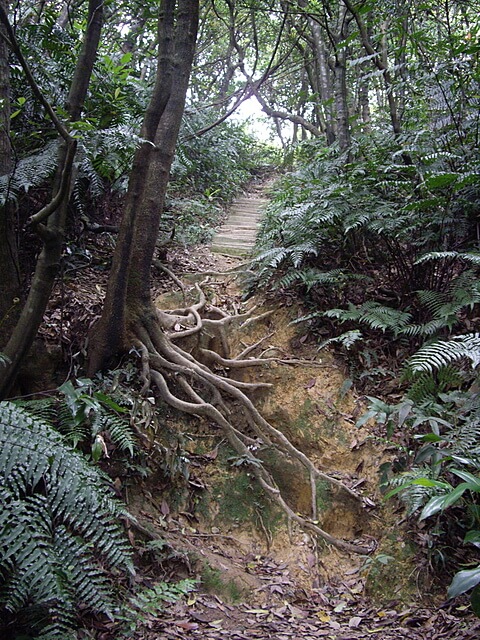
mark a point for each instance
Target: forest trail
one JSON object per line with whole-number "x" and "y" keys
{"x": 236, "y": 237}
{"x": 258, "y": 577}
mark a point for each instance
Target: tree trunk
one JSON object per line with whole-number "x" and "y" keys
{"x": 324, "y": 79}
{"x": 128, "y": 294}
{"x": 9, "y": 270}
{"x": 380, "y": 59}
{"x": 52, "y": 233}
{"x": 340, "y": 80}
{"x": 341, "y": 104}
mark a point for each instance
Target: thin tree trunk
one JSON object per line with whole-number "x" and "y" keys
{"x": 9, "y": 270}
{"x": 380, "y": 61}
{"x": 52, "y": 233}
{"x": 340, "y": 81}
{"x": 324, "y": 79}
{"x": 341, "y": 105}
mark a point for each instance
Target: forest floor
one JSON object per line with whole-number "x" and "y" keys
{"x": 281, "y": 585}
{"x": 258, "y": 578}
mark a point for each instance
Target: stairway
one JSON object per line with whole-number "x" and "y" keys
{"x": 237, "y": 235}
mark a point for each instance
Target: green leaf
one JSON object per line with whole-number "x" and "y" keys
{"x": 440, "y": 180}
{"x": 455, "y": 495}
{"x": 475, "y": 601}
{"x": 428, "y": 482}
{"x": 429, "y": 437}
{"x": 473, "y": 537}
{"x": 472, "y": 480}
{"x": 464, "y": 581}
{"x": 107, "y": 401}
{"x": 433, "y": 506}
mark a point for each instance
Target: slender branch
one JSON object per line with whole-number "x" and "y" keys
{"x": 161, "y": 267}
{"x": 46, "y": 211}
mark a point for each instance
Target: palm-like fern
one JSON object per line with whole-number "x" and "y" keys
{"x": 58, "y": 529}
{"x": 83, "y": 413}
{"x": 469, "y": 257}
{"x": 373, "y": 314}
{"x": 444, "y": 352}
{"x": 30, "y": 172}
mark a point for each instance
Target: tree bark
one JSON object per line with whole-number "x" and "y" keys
{"x": 324, "y": 79}
{"x": 50, "y": 221}
{"x": 128, "y": 293}
{"x": 9, "y": 270}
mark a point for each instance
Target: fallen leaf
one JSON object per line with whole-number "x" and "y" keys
{"x": 164, "y": 508}
{"x": 258, "y": 611}
{"x": 355, "y": 621}
{"x": 216, "y": 624}
{"x": 324, "y": 617}
{"x": 340, "y": 606}
{"x": 188, "y": 626}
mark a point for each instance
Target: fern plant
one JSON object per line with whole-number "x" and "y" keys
{"x": 148, "y": 603}
{"x": 445, "y": 419}
{"x": 84, "y": 414}
{"x": 31, "y": 171}
{"x": 59, "y": 531}
{"x": 441, "y": 353}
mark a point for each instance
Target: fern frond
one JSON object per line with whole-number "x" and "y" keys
{"x": 465, "y": 439}
{"x": 311, "y": 277}
{"x": 374, "y": 315}
{"x": 58, "y": 525}
{"x": 347, "y": 339}
{"x": 444, "y": 352}
{"x": 119, "y": 429}
{"x": 433, "y": 301}
{"x": 470, "y": 257}
{"x": 427, "y": 386}
{"x": 414, "y": 496}
{"x": 30, "y": 172}
{"x": 425, "y": 329}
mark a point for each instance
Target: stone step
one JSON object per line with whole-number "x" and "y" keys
{"x": 243, "y": 211}
{"x": 237, "y": 234}
{"x": 235, "y": 242}
{"x": 234, "y": 226}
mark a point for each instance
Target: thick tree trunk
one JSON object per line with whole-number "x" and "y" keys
{"x": 128, "y": 294}
{"x": 50, "y": 222}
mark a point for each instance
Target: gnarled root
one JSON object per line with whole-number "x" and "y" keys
{"x": 185, "y": 381}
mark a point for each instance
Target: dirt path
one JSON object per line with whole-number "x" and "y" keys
{"x": 237, "y": 235}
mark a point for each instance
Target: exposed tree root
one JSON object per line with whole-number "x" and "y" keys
{"x": 185, "y": 354}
